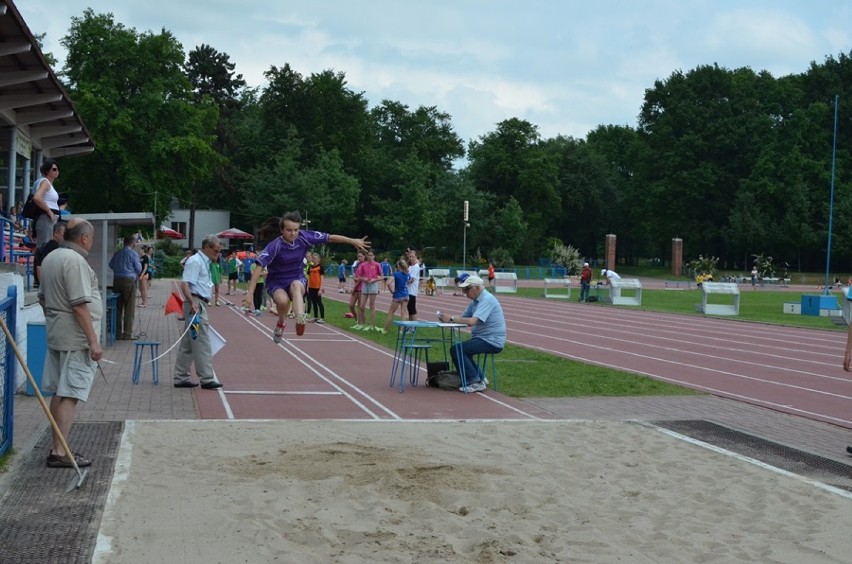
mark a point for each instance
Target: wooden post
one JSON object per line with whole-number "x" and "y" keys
{"x": 610, "y": 252}
{"x": 677, "y": 256}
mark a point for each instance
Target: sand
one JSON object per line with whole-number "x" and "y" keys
{"x": 353, "y": 492}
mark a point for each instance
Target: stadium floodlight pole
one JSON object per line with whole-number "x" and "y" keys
{"x": 831, "y": 199}
{"x": 464, "y": 236}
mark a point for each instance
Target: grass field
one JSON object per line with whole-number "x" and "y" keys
{"x": 524, "y": 372}
{"x": 763, "y": 306}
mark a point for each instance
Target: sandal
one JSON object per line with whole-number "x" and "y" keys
{"x": 56, "y": 461}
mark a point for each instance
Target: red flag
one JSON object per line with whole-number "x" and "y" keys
{"x": 174, "y": 304}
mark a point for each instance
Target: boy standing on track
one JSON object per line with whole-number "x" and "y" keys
{"x": 285, "y": 278}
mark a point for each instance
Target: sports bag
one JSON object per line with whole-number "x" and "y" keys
{"x": 30, "y": 209}
{"x": 445, "y": 379}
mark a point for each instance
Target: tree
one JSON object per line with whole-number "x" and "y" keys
{"x": 152, "y": 140}
{"x": 703, "y": 131}
{"x": 214, "y": 81}
{"x": 513, "y": 163}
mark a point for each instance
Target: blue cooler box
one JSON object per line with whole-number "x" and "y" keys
{"x": 36, "y": 351}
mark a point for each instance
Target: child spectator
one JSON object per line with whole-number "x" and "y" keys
{"x": 233, "y": 267}
{"x": 315, "y": 289}
{"x": 399, "y": 299}
{"x": 341, "y": 276}
{"x": 355, "y": 297}
{"x": 430, "y": 286}
{"x": 257, "y": 294}
{"x": 387, "y": 272}
{"x": 370, "y": 273}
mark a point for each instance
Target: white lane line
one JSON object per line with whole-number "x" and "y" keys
{"x": 268, "y": 393}
{"x": 311, "y": 363}
{"x": 806, "y": 358}
{"x": 760, "y": 464}
{"x": 293, "y": 346}
{"x": 701, "y": 367}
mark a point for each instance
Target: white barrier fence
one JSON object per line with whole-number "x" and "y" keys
{"x": 558, "y": 288}
{"x": 728, "y": 289}
{"x": 505, "y": 283}
{"x": 633, "y": 297}
{"x": 441, "y": 277}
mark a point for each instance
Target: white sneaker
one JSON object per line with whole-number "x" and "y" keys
{"x": 485, "y": 382}
{"x": 320, "y": 320}
{"x": 475, "y": 387}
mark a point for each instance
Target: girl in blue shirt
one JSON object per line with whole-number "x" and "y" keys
{"x": 400, "y": 294}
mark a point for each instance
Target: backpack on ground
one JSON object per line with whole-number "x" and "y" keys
{"x": 445, "y": 379}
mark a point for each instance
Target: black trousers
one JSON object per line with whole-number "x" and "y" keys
{"x": 315, "y": 302}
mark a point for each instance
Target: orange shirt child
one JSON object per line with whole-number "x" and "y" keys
{"x": 315, "y": 276}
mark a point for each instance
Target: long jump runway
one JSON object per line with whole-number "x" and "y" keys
{"x": 326, "y": 374}
{"x": 789, "y": 369}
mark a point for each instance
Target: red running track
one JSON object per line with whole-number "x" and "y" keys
{"x": 332, "y": 374}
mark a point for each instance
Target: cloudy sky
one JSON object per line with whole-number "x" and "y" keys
{"x": 565, "y": 65}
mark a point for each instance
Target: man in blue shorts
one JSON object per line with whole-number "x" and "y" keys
{"x": 285, "y": 278}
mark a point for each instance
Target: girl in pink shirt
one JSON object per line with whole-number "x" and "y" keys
{"x": 370, "y": 273}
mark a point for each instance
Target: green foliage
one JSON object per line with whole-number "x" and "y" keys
{"x": 5, "y": 459}
{"x": 153, "y": 141}
{"x": 765, "y": 268}
{"x": 501, "y": 258}
{"x": 170, "y": 267}
{"x": 565, "y": 256}
{"x": 703, "y": 265}
{"x": 735, "y": 162}
{"x": 168, "y": 247}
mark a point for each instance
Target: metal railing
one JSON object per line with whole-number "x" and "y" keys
{"x": 9, "y": 311}
{"x": 9, "y": 253}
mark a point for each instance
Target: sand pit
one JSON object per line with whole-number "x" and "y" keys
{"x": 353, "y": 492}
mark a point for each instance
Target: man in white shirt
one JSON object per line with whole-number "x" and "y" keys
{"x": 610, "y": 275}
{"x": 196, "y": 288}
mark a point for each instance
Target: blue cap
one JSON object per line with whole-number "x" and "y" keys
{"x": 463, "y": 276}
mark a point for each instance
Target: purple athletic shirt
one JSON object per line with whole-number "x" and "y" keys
{"x": 283, "y": 261}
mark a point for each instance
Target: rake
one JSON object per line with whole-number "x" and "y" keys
{"x": 77, "y": 480}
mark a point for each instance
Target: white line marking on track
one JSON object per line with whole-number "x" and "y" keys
{"x": 677, "y": 363}
{"x": 268, "y": 393}
{"x": 293, "y": 346}
{"x": 304, "y": 361}
{"x": 749, "y": 460}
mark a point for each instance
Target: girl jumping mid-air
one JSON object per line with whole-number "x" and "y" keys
{"x": 285, "y": 278}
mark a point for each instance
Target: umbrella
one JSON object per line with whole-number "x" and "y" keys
{"x": 234, "y": 233}
{"x": 170, "y": 233}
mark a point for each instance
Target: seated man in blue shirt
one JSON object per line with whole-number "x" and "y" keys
{"x": 488, "y": 334}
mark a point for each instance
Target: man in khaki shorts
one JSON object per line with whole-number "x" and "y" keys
{"x": 71, "y": 300}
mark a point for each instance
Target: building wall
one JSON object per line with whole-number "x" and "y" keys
{"x": 206, "y": 222}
